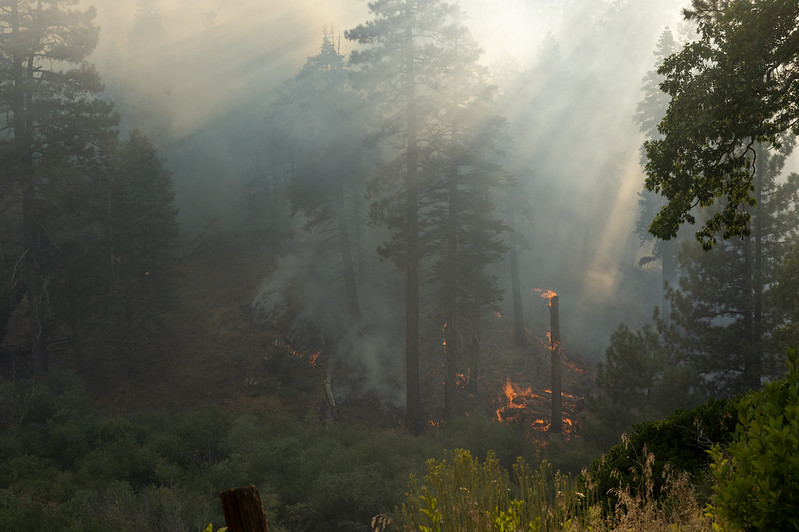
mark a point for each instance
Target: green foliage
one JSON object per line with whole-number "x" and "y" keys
{"x": 467, "y": 494}
{"x": 784, "y": 291}
{"x": 757, "y": 474}
{"x": 681, "y": 440}
{"x": 732, "y": 88}
{"x": 723, "y": 318}
{"x": 481, "y": 434}
{"x": 639, "y": 380}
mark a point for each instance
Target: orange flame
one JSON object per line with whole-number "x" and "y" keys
{"x": 525, "y": 406}
{"x": 312, "y": 359}
{"x": 546, "y": 294}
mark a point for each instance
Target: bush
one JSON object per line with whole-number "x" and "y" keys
{"x": 681, "y": 440}
{"x": 466, "y": 494}
{"x": 757, "y": 474}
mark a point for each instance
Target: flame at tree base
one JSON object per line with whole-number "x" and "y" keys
{"x": 529, "y": 408}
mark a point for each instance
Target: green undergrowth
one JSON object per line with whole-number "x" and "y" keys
{"x": 725, "y": 464}
{"x": 64, "y": 468}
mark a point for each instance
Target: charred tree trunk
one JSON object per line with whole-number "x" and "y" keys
{"x": 556, "y": 426}
{"x": 353, "y": 305}
{"x": 414, "y": 420}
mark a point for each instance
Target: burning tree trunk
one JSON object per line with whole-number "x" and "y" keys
{"x": 556, "y": 426}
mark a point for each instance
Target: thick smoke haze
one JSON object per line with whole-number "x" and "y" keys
{"x": 198, "y": 76}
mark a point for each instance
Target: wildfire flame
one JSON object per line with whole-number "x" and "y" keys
{"x": 313, "y": 358}
{"x": 526, "y": 406}
{"x": 546, "y": 294}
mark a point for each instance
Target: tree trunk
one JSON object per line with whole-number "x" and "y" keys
{"x": 668, "y": 274}
{"x": 23, "y": 124}
{"x": 756, "y": 360}
{"x": 74, "y": 329}
{"x": 414, "y": 420}
{"x": 751, "y": 380}
{"x": 519, "y": 332}
{"x": 453, "y": 348}
{"x": 353, "y": 306}
{"x": 452, "y": 406}
{"x": 243, "y": 510}
{"x": 556, "y": 426}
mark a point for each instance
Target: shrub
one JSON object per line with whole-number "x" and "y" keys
{"x": 466, "y": 494}
{"x": 681, "y": 440}
{"x": 757, "y": 474}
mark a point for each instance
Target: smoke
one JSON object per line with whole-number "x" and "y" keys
{"x": 569, "y": 76}
{"x": 304, "y": 298}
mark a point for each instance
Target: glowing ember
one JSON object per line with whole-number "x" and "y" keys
{"x": 312, "y": 359}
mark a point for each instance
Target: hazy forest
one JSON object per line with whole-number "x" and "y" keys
{"x": 420, "y": 265}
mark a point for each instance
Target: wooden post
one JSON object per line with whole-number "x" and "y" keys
{"x": 243, "y": 510}
{"x": 556, "y": 425}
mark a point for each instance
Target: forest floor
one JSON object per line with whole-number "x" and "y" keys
{"x": 212, "y": 352}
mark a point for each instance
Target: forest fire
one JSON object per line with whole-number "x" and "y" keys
{"x": 546, "y": 294}
{"x": 313, "y": 358}
{"x": 529, "y": 407}
{"x": 548, "y": 409}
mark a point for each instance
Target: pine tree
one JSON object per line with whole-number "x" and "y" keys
{"x": 142, "y": 236}
{"x": 648, "y": 115}
{"x": 53, "y": 126}
{"x": 460, "y": 219}
{"x": 732, "y": 89}
{"x": 397, "y": 46}
{"x": 326, "y": 124}
{"x": 723, "y": 316}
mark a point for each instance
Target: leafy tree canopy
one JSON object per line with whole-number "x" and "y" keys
{"x": 736, "y": 86}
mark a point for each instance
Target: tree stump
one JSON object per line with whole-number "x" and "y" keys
{"x": 243, "y": 510}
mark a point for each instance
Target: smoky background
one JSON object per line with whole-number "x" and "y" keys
{"x": 198, "y": 78}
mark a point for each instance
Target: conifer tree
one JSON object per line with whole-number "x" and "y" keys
{"x": 723, "y": 314}
{"x": 325, "y": 123}
{"x": 734, "y": 88}
{"x": 648, "y": 115}
{"x": 463, "y": 230}
{"x": 397, "y": 45}
{"x": 142, "y": 236}
{"x": 53, "y": 126}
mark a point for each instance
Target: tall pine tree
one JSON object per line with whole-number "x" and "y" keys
{"x": 53, "y": 125}
{"x": 723, "y": 316}
{"x": 397, "y": 45}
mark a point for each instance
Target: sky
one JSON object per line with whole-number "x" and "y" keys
{"x": 576, "y": 145}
